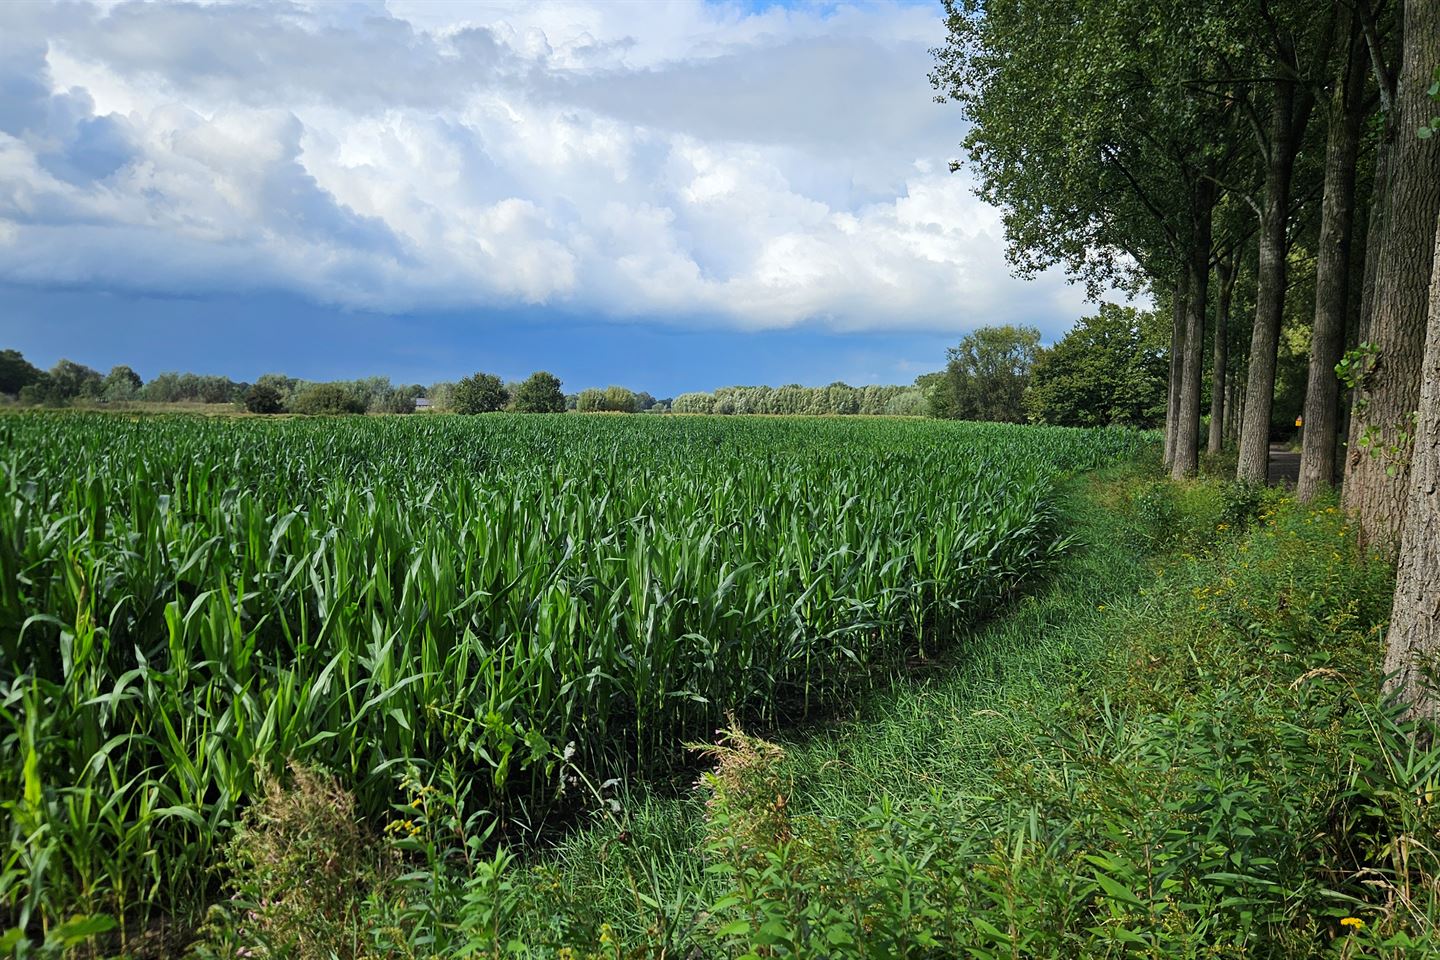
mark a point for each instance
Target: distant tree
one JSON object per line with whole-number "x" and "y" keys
{"x": 441, "y": 395}
{"x": 42, "y": 392}
{"x": 478, "y": 393}
{"x": 326, "y": 399}
{"x": 693, "y": 403}
{"x": 71, "y": 380}
{"x": 908, "y": 402}
{"x": 171, "y": 387}
{"x": 285, "y": 386}
{"x": 397, "y": 399}
{"x": 644, "y": 401}
{"x": 162, "y": 388}
{"x": 16, "y": 373}
{"x": 609, "y": 400}
{"x": 540, "y": 393}
{"x": 620, "y": 399}
{"x": 264, "y": 398}
{"x": 987, "y": 373}
{"x": 210, "y": 389}
{"x": 121, "y": 383}
{"x": 1111, "y": 368}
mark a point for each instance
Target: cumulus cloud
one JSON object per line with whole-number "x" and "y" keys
{"x": 689, "y": 162}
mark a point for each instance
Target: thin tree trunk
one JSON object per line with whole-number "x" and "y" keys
{"x": 1187, "y": 424}
{"x": 1177, "y": 353}
{"x": 1219, "y": 385}
{"x": 1382, "y": 422}
{"x": 1332, "y": 269}
{"x": 1412, "y": 646}
{"x": 1254, "y": 462}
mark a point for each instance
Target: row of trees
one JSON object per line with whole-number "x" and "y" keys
{"x": 837, "y": 399}
{"x": 1109, "y": 369}
{"x": 1274, "y": 158}
{"x": 485, "y": 393}
{"x": 68, "y": 381}
{"x": 996, "y": 373}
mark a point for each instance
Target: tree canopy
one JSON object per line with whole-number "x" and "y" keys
{"x": 987, "y": 374}
{"x": 1109, "y": 369}
{"x": 539, "y": 393}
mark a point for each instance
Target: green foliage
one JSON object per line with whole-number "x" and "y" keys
{"x": 70, "y": 380}
{"x": 76, "y": 935}
{"x": 694, "y": 402}
{"x": 263, "y": 398}
{"x": 478, "y": 393}
{"x": 1230, "y": 786}
{"x": 609, "y": 400}
{"x": 121, "y": 383}
{"x": 1430, "y": 129}
{"x": 186, "y": 605}
{"x": 837, "y": 399}
{"x": 195, "y": 388}
{"x": 396, "y": 400}
{"x": 538, "y": 393}
{"x": 300, "y": 868}
{"x": 42, "y": 391}
{"x": 16, "y": 373}
{"x": 326, "y": 399}
{"x": 1112, "y": 368}
{"x": 1390, "y": 443}
{"x": 987, "y": 375}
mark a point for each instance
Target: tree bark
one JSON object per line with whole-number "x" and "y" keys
{"x": 1177, "y": 353}
{"x": 1286, "y": 127}
{"x": 1377, "y": 471}
{"x": 1197, "y": 267}
{"x": 1219, "y": 386}
{"x": 1412, "y": 645}
{"x": 1332, "y": 267}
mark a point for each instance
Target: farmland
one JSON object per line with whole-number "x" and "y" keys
{"x": 186, "y": 604}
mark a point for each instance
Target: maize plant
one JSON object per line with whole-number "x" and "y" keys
{"x": 188, "y": 604}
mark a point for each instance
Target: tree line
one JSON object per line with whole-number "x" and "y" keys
{"x": 836, "y": 399}
{"x": 1270, "y": 171}
{"x": 1107, "y": 370}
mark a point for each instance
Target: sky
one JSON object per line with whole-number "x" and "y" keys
{"x": 665, "y": 195}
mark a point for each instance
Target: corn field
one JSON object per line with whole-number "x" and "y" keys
{"x": 188, "y": 603}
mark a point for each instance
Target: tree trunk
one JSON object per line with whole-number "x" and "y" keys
{"x": 1219, "y": 407}
{"x": 1332, "y": 269}
{"x": 1177, "y": 353}
{"x": 1187, "y": 424}
{"x": 1284, "y": 135}
{"x": 1378, "y": 464}
{"x": 1412, "y": 646}
{"x": 1374, "y": 231}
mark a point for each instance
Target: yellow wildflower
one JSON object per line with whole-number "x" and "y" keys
{"x": 1354, "y": 923}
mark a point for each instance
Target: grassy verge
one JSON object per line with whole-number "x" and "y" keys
{"x": 1176, "y": 748}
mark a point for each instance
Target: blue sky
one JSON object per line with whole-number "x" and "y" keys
{"x": 671, "y": 196}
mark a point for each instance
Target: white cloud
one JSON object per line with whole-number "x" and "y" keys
{"x": 684, "y": 161}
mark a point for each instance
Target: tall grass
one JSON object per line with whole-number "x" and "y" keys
{"x": 186, "y": 605}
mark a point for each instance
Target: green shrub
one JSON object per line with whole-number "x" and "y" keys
{"x": 300, "y": 868}
{"x": 263, "y": 399}
{"x": 326, "y": 399}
